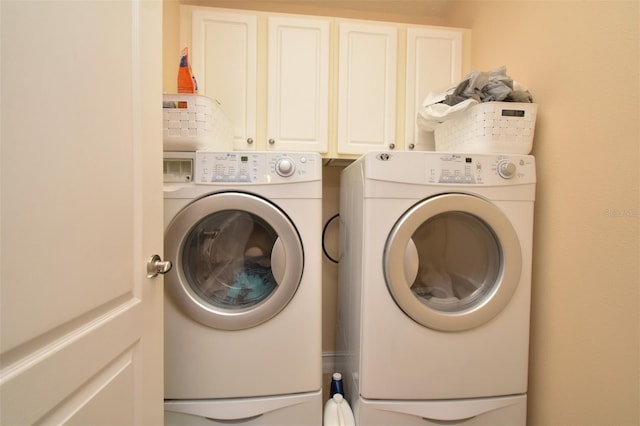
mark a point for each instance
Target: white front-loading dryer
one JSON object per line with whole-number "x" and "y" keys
{"x": 434, "y": 280}
{"x": 243, "y": 299}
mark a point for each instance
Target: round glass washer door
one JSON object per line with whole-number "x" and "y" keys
{"x": 238, "y": 260}
{"x": 452, "y": 262}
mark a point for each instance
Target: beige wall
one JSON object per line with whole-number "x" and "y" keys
{"x": 580, "y": 60}
{"x": 170, "y": 45}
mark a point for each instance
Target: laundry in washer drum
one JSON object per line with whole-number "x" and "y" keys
{"x": 229, "y": 254}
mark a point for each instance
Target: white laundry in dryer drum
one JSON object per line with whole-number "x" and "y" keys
{"x": 434, "y": 287}
{"x": 243, "y": 300}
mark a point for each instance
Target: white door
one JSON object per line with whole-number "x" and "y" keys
{"x": 367, "y": 87}
{"x": 225, "y": 64}
{"x": 298, "y": 84}
{"x": 81, "y": 155}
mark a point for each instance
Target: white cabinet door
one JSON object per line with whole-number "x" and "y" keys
{"x": 434, "y": 61}
{"x": 80, "y": 322}
{"x": 366, "y": 87}
{"x": 224, "y": 61}
{"x": 298, "y": 84}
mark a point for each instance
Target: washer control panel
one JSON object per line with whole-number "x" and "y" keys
{"x": 256, "y": 167}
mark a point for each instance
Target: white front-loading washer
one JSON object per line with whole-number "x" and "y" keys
{"x": 243, "y": 299}
{"x": 434, "y": 286}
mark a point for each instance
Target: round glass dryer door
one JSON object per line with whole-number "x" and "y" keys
{"x": 452, "y": 262}
{"x": 238, "y": 260}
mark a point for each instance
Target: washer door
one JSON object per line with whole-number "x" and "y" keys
{"x": 237, "y": 258}
{"x": 452, "y": 262}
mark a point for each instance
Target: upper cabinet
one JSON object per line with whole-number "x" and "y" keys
{"x": 298, "y": 84}
{"x": 367, "y": 87}
{"x": 224, "y": 61}
{"x": 290, "y": 110}
{"x": 336, "y": 86}
{"x": 434, "y": 61}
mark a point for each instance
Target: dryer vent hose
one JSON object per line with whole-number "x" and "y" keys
{"x": 324, "y": 232}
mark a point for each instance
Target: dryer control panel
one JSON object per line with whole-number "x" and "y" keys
{"x": 441, "y": 168}
{"x": 479, "y": 169}
{"x": 256, "y": 167}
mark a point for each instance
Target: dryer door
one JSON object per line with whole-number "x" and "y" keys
{"x": 452, "y": 262}
{"x": 237, "y": 258}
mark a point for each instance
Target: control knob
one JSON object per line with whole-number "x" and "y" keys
{"x": 506, "y": 169}
{"x": 285, "y": 167}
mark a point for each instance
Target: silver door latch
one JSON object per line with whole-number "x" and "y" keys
{"x": 156, "y": 266}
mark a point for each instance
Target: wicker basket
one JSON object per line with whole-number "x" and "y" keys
{"x": 489, "y": 127}
{"x": 192, "y": 122}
